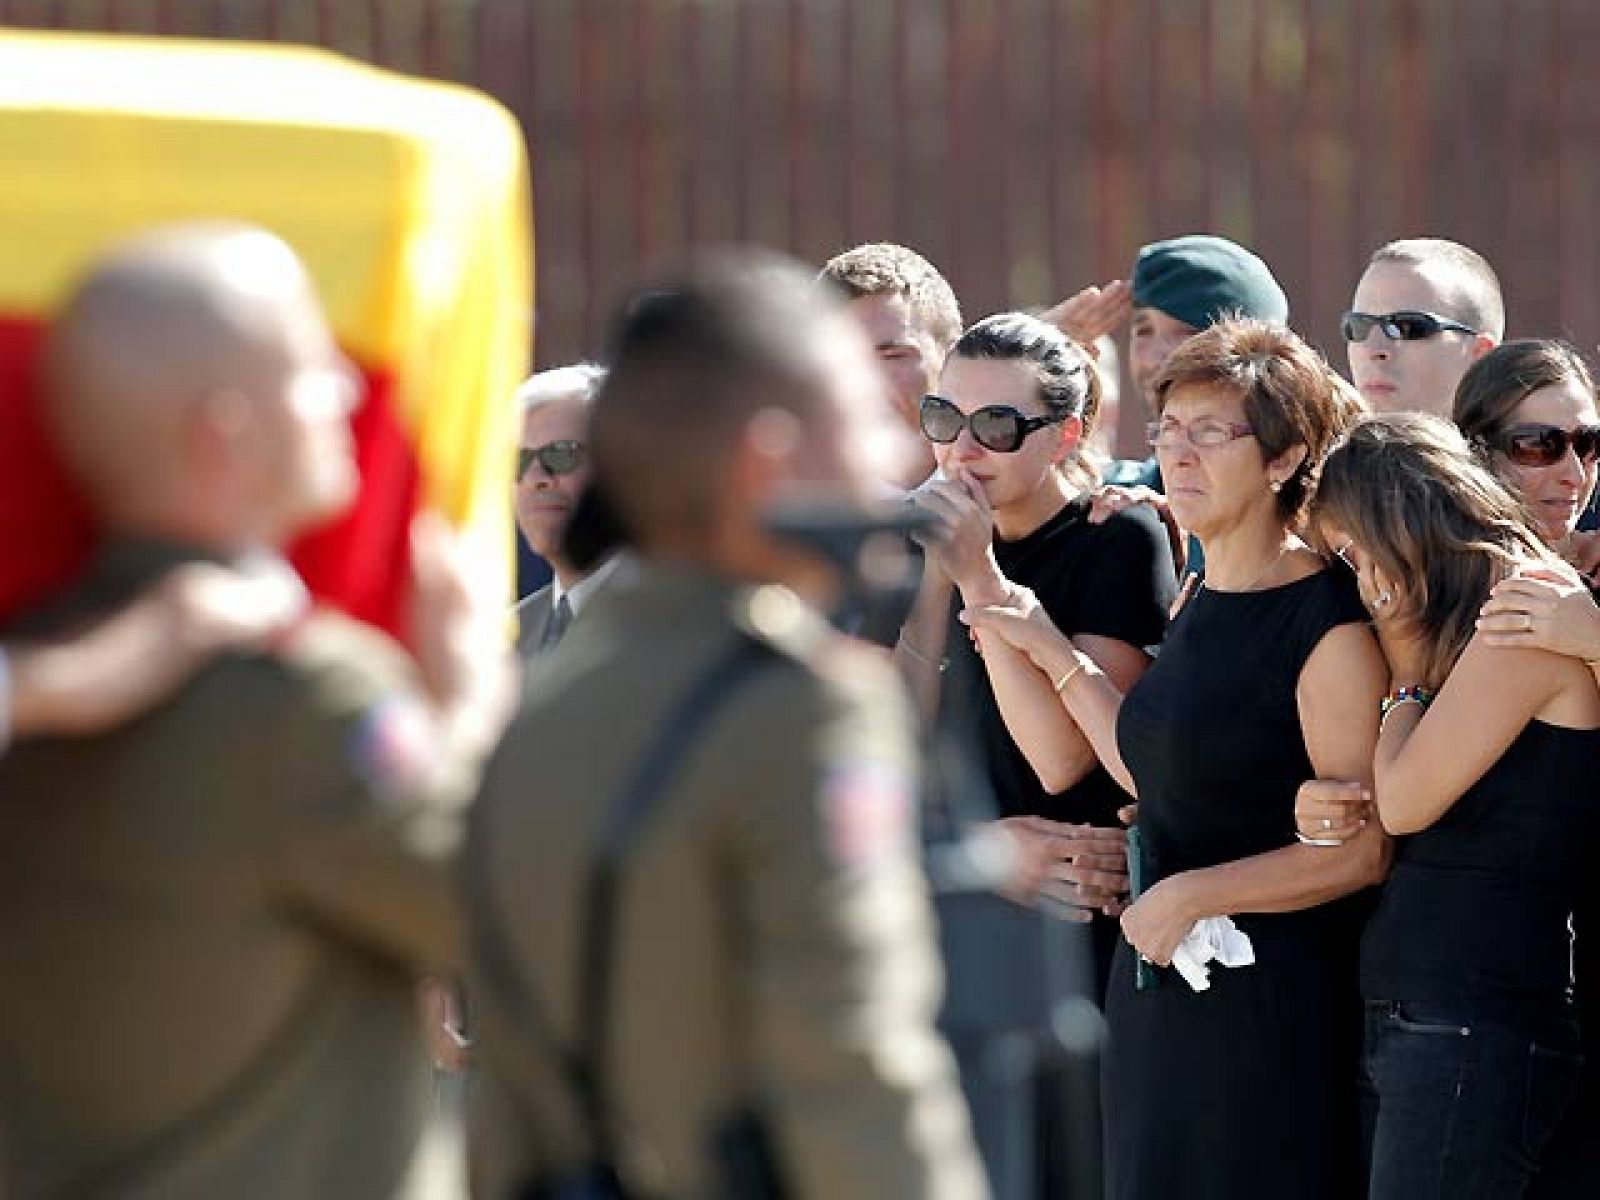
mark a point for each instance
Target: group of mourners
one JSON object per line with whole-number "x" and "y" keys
{"x": 1298, "y": 715}
{"x": 1361, "y": 735}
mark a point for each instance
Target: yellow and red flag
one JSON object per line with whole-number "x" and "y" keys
{"x": 408, "y": 201}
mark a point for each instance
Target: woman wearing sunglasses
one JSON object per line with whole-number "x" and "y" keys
{"x": 1529, "y": 409}
{"x": 1268, "y": 677}
{"x": 1529, "y": 406}
{"x": 1485, "y": 760}
{"x": 1016, "y": 406}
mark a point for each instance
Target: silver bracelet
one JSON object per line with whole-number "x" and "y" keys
{"x": 1312, "y": 841}
{"x": 923, "y": 658}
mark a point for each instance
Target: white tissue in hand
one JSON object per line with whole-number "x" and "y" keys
{"x": 1212, "y": 939}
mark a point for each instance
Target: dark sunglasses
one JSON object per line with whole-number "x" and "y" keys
{"x": 556, "y": 458}
{"x": 1546, "y": 445}
{"x": 997, "y": 427}
{"x": 1405, "y": 326}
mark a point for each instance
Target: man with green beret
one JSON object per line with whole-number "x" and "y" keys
{"x": 1181, "y": 286}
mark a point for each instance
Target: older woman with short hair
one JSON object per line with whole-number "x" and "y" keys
{"x": 1269, "y": 676}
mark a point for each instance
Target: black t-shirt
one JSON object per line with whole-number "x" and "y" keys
{"x": 1112, "y": 580}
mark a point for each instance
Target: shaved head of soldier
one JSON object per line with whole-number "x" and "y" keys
{"x": 736, "y": 387}
{"x": 195, "y": 390}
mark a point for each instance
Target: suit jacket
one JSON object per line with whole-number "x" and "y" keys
{"x": 533, "y": 613}
{"x": 213, "y": 918}
{"x": 774, "y": 933}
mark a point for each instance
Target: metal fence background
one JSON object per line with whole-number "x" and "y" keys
{"x": 1026, "y": 146}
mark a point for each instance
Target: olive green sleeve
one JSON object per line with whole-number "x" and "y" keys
{"x": 378, "y": 809}
{"x": 841, "y": 963}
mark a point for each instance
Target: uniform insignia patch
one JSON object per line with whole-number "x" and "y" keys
{"x": 866, "y": 808}
{"x": 392, "y": 746}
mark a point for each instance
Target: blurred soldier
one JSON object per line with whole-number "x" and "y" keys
{"x": 221, "y": 907}
{"x": 552, "y": 471}
{"x": 771, "y": 971}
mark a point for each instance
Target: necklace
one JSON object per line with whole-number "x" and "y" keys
{"x": 1283, "y": 549}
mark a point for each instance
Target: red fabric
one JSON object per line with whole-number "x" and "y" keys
{"x": 361, "y": 562}
{"x": 45, "y": 529}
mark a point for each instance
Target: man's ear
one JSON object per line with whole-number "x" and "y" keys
{"x": 760, "y": 456}
{"x": 213, "y": 424}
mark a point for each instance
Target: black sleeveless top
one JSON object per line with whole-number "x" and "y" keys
{"x": 1114, "y": 580}
{"x": 1208, "y": 1094}
{"x": 1212, "y": 732}
{"x": 1476, "y": 908}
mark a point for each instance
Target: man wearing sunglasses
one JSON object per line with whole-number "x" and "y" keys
{"x": 1424, "y": 311}
{"x": 552, "y": 472}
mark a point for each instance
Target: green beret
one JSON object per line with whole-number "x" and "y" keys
{"x": 1199, "y": 279}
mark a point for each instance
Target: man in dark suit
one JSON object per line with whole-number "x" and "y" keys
{"x": 552, "y": 471}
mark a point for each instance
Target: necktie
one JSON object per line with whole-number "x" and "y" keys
{"x": 559, "y": 620}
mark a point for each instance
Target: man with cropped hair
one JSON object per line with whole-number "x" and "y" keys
{"x": 910, "y": 316}
{"x": 1424, "y": 311}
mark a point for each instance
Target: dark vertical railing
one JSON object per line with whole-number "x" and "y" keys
{"x": 1026, "y": 146}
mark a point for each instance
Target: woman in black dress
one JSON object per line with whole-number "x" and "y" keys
{"x": 1017, "y": 400}
{"x": 1268, "y": 677}
{"x": 1484, "y": 761}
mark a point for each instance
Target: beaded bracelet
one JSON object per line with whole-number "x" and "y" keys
{"x": 1409, "y": 693}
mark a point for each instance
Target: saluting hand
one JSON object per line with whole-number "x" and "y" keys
{"x": 1091, "y": 313}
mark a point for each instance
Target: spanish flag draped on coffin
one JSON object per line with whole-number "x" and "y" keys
{"x": 409, "y": 202}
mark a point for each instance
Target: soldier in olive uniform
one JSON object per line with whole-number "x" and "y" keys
{"x": 772, "y": 955}
{"x": 214, "y": 914}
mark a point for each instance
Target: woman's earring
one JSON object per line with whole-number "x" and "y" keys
{"x": 1385, "y": 599}
{"x": 1276, "y": 485}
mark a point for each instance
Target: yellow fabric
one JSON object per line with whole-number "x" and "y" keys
{"x": 408, "y": 200}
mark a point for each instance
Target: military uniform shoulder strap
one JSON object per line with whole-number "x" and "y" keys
{"x": 583, "y": 1065}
